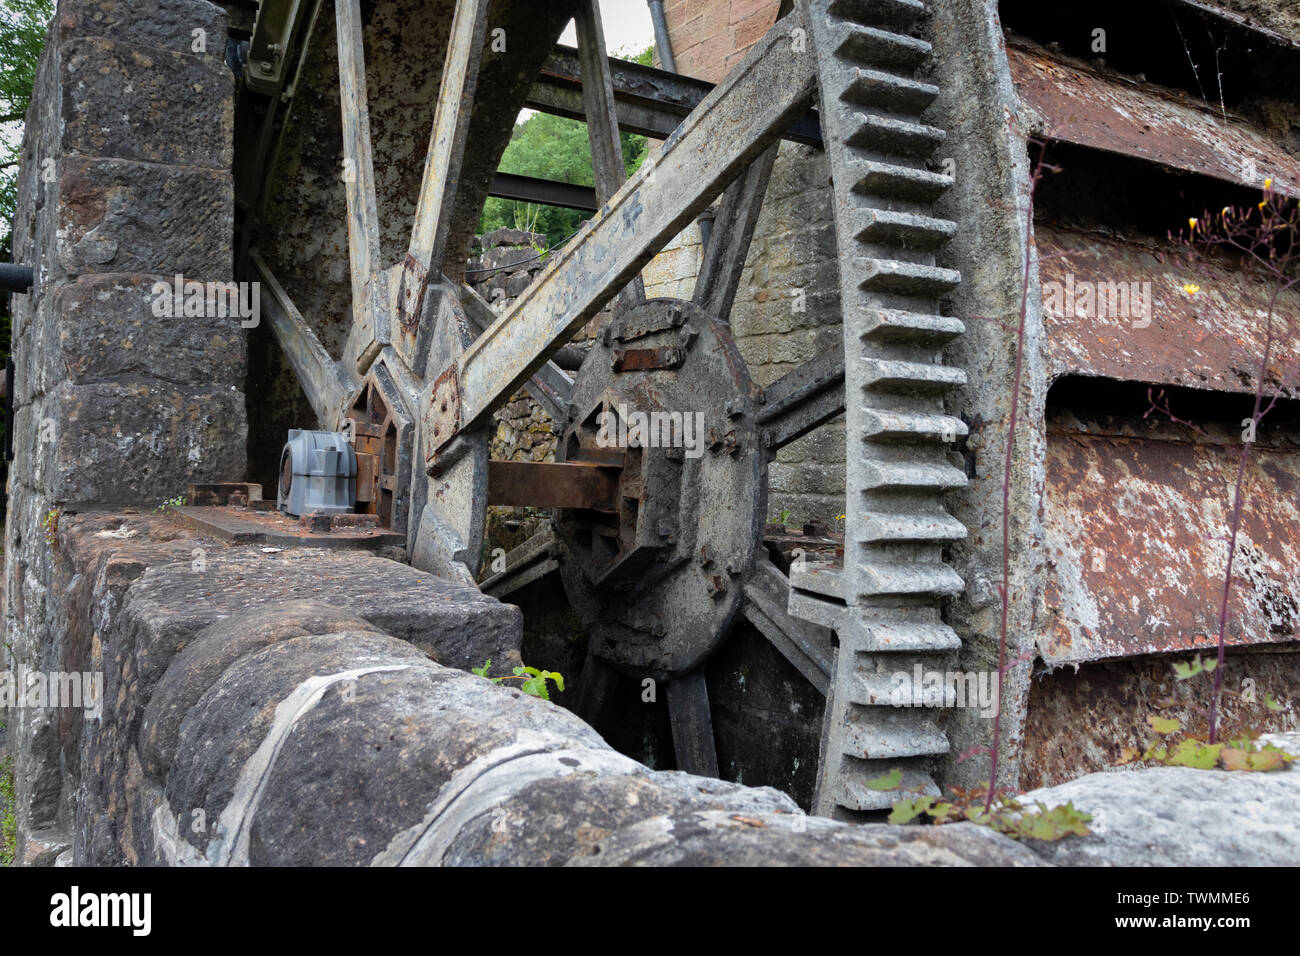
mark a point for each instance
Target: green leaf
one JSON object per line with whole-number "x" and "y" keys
{"x": 482, "y": 671}
{"x": 905, "y": 811}
{"x": 1272, "y": 704}
{"x": 1164, "y": 725}
{"x": 1263, "y": 759}
{"x": 1194, "y": 753}
{"x": 1196, "y": 666}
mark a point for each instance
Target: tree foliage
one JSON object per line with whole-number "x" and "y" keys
{"x": 555, "y": 148}
{"x": 23, "y": 25}
{"x": 22, "y": 37}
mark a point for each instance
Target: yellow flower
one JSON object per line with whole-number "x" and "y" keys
{"x": 1268, "y": 184}
{"x": 1191, "y": 288}
{"x": 840, "y": 518}
{"x": 1192, "y": 222}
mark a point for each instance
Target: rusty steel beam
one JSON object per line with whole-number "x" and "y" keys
{"x": 731, "y": 128}
{"x": 545, "y": 192}
{"x": 553, "y": 485}
{"x": 648, "y": 101}
{"x": 1075, "y": 103}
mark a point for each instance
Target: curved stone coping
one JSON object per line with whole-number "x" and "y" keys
{"x": 297, "y": 734}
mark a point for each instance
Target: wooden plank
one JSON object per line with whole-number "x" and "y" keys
{"x": 370, "y": 318}
{"x": 445, "y": 158}
{"x": 327, "y": 384}
{"x": 809, "y": 647}
{"x": 602, "y": 122}
{"x": 733, "y": 230}
{"x": 733, "y": 126}
{"x": 692, "y": 723}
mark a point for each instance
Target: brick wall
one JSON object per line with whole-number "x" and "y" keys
{"x": 709, "y": 37}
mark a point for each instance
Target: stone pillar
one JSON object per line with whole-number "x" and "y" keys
{"x": 125, "y": 184}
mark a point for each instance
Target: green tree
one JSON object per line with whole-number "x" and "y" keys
{"x": 22, "y": 37}
{"x": 552, "y": 147}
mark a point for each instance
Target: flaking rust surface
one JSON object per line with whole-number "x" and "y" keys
{"x": 1079, "y": 104}
{"x": 1137, "y": 539}
{"x": 1211, "y": 338}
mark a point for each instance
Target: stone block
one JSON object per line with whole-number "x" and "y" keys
{"x": 181, "y": 111}
{"x": 121, "y": 216}
{"x": 144, "y": 442}
{"x": 108, "y": 332}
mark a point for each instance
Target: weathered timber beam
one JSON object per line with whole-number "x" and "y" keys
{"x": 809, "y": 647}
{"x": 550, "y": 387}
{"x": 602, "y": 121}
{"x": 733, "y": 230}
{"x": 327, "y": 384}
{"x": 802, "y": 399}
{"x": 370, "y": 310}
{"x": 649, "y": 102}
{"x": 532, "y": 560}
{"x": 553, "y": 484}
{"x": 730, "y": 129}
{"x": 446, "y": 156}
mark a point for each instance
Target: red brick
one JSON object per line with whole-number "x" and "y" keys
{"x": 743, "y": 9}
{"x": 752, "y": 29}
{"x": 709, "y": 58}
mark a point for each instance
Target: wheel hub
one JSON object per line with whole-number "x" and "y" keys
{"x": 664, "y": 394}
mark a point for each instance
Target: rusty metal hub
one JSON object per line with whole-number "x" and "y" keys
{"x": 657, "y": 582}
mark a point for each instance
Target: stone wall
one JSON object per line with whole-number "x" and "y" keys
{"x": 125, "y": 182}
{"x": 502, "y": 265}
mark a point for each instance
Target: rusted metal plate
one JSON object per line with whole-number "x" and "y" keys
{"x": 636, "y": 360}
{"x": 242, "y": 526}
{"x": 553, "y": 484}
{"x": 1136, "y": 535}
{"x": 1211, "y": 339}
{"x": 1077, "y": 104}
{"x": 1079, "y": 723}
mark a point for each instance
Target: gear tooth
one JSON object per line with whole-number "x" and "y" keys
{"x": 886, "y": 602}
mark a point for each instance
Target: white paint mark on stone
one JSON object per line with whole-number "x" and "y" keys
{"x": 230, "y": 846}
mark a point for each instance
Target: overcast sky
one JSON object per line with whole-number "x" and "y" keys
{"x": 627, "y": 26}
